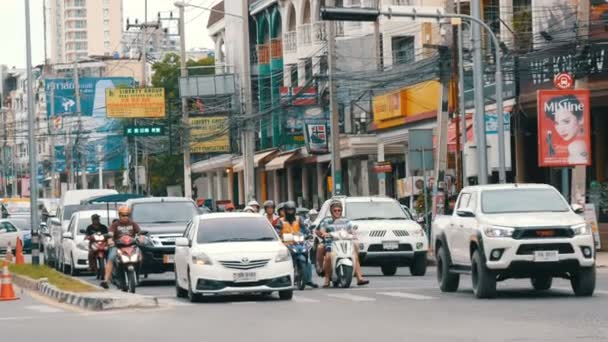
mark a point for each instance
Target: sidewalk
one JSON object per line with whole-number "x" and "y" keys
{"x": 602, "y": 259}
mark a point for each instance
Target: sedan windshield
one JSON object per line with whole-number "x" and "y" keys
{"x": 163, "y": 212}
{"x": 374, "y": 211}
{"x": 235, "y": 229}
{"x": 522, "y": 201}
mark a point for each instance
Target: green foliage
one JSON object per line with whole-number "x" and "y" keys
{"x": 165, "y": 169}
{"x": 419, "y": 204}
{"x": 167, "y": 73}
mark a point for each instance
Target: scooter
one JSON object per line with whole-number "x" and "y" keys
{"x": 99, "y": 246}
{"x": 299, "y": 247}
{"x": 341, "y": 247}
{"x": 126, "y": 264}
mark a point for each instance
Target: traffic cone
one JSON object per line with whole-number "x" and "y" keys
{"x": 19, "y": 258}
{"x": 9, "y": 253}
{"x": 6, "y": 284}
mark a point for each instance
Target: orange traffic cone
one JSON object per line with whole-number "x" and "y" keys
{"x": 9, "y": 253}
{"x": 6, "y": 284}
{"x": 19, "y": 258}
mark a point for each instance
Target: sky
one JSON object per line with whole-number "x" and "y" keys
{"x": 12, "y": 26}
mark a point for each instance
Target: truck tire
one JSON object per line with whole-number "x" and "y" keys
{"x": 388, "y": 270}
{"x": 542, "y": 283}
{"x": 418, "y": 266}
{"x": 448, "y": 282}
{"x": 484, "y": 282}
{"x": 583, "y": 282}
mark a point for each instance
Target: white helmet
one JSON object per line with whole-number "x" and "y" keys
{"x": 313, "y": 212}
{"x": 253, "y": 203}
{"x": 249, "y": 209}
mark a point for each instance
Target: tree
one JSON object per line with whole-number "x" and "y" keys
{"x": 167, "y": 73}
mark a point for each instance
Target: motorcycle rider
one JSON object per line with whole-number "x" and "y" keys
{"x": 281, "y": 209}
{"x": 312, "y": 216}
{"x": 324, "y": 258}
{"x": 292, "y": 224}
{"x": 255, "y": 205}
{"x": 124, "y": 226}
{"x": 274, "y": 220}
{"x": 95, "y": 227}
{"x": 249, "y": 209}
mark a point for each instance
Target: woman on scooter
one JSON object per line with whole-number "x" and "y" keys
{"x": 323, "y": 258}
{"x": 292, "y": 224}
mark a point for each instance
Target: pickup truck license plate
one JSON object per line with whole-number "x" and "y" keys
{"x": 546, "y": 256}
{"x": 244, "y": 276}
{"x": 169, "y": 258}
{"x": 390, "y": 245}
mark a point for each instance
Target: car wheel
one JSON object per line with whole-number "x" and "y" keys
{"x": 541, "y": 283}
{"x": 583, "y": 282}
{"x": 73, "y": 271}
{"x": 179, "y": 292}
{"x": 193, "y": 297}
{"x": 388, "y": 270}
{"x": 286, "y": 295}
{"x": 418, "y": 266}
{"x": 484, "y": 281}
{"x": 448, "y": 282}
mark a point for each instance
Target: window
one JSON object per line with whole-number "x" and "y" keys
{"x": 106, "y": 23}
{"x": 106, "y": 13}
{"x": 7, "y": 227}
{"x": 308, "y": 69}
{"x": 374, "y": 210}
{"x": 166, "y": 212}
{"x": 106, "y": 35}
{"x": 81, "y": 24}
{"x": 522, "y": 201}
{"x": 463, "y": 203}
{"x": 294, "y": 75}
{"x": 403, "y": 50}
{"x": 235, "y": 229}
{"x": 106, "y": 45}
{"x": 106, "y": 3}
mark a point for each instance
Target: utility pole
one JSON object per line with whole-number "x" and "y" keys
{"x": 336, "y": 166}
{"x": 83, "y": 162}
{"x": 32, "y": 140}
{"x": 52, "y": 137}
{"x": 461, "y": 102}
{"x": 185, "y": 120}
{"x": 249, "y": 132}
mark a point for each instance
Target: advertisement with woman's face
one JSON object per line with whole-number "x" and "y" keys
{"x": 563, "y": 128}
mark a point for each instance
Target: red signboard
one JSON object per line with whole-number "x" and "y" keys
{"x": 563, "y": 81}
{"x": 383, "y": 167}
{"x": 563, "y": 128}
{"x": 299, "y": 96}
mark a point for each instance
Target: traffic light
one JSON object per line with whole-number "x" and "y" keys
{"x": 144, "y": 131}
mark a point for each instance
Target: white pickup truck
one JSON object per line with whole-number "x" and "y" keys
{"x": 500, "y": 232}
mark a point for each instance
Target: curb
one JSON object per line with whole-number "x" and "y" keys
{"x": 94, "y": 301}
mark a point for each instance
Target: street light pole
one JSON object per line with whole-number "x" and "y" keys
{"x": 32, "y": 140}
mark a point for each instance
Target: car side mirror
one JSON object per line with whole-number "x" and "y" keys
{"x": 182, "y": 242}
{"x": 66, "y": 235}
{"x": 578, "y": 209}
{"x": 465, "y": 213}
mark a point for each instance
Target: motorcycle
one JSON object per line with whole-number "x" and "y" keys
{"x": 341, "y": 247}
{"x": 299, "y": 247}
{"x": 126, "y": 264}
{"x": 99, "y": 246}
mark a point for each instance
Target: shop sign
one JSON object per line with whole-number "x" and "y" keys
{"x": 383, "y": 167}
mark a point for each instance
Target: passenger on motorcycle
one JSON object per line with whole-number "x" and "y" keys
{"x": 312, "y": 216}
{"x": 274, "y": 220}
{"x": 95, "y": 227}
{"x": 292, "y": 224}
{"x": 324, "y": 230}
{"x": 124, "y": 226}
{"x": 281, "y": 209}
{"x": 255, "y": 205}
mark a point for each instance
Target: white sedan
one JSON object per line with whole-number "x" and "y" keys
{"x": 231, "y": 253}
{"x": 8, "y": 235}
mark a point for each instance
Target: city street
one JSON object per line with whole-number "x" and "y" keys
{"x": 389, "y": 309}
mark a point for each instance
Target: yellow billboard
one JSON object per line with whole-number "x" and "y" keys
{"x": 133, "y": 103}
{"x": 387, "y": 106}
{"x": 420, "y": 101}
{"x": 209, "y": 134}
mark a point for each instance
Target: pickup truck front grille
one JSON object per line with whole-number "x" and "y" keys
{"x": 403, "y": 247}
{"x": 530, "y": 248}
{"x": 542, "y": 233}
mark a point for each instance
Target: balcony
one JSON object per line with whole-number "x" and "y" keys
{"x": 276, "y": 48}
{"x": 290, "y": 42}
{"x": 319, "y": 36}
{"x": 263, "y": 54}
{"x": 305, "y": 35}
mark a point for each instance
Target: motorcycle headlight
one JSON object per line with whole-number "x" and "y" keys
{"x": 283, "y": 256}
{"x": 498, "y": 232}
{"x": 418, "y": 232}
{"x": 581, "y": 229}
{"x": 83, "y": 245}
{"x": 201, "y": 259}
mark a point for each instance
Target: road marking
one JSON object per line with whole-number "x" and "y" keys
{"x": 43, "y": 308}
{"x": 351, "y": 297}
{"x": 405, "y": 295}
{"x": 299, "y": 299}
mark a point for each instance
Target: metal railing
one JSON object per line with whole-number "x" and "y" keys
{"x": 290, "y": 41}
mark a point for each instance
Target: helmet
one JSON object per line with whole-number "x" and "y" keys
{"x": 268, "y": 204}
{"x": 335, "y": 203}
{"x": 95, "y": 217}
{"x": 249, "y": 209}
{"x": 124, "y": 210}
{"x": 229, "y": 206}
{"x": 253, "y": 203}
{"x": 290, "y": 205}
{"x": 281, "y": 206}
{"x": 313, "y": 212}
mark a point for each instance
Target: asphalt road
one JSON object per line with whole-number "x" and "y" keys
{"x": 389, "y": 309}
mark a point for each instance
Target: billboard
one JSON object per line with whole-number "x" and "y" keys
{"x": 135, "y": 103}
{"x": 209, "y": 134}
{"x": 564, "y": 132}
{"x": 111, "y": 154}
{"x": 388, "y": 106}
{"x": 92, "y": 95}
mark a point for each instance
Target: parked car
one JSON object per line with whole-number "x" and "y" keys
{"x": 500, "y": 232}
{"x": 388, "y": 237}
{"x": 232, "y": 253}
{"x": 74, "y": 252}
{"x": 15, "y": 206}
{"x": 24, "y": 223}
{"x": 165, "y": 219}
{"x": 8, "y": 234}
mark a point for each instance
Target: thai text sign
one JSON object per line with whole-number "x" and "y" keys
{"x": 135, "y": 102}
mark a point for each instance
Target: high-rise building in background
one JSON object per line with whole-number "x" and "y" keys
{"x": 80, "y": 28}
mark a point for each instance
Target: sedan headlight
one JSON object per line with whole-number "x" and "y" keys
{"x": 418, "y": 232}
{"x": 581, "y": 229}
{"x": 83, "y": 245}
{"x": 283, "y": 256}
{"x": 498, "y": 232}
{"x": 201, "y": 259}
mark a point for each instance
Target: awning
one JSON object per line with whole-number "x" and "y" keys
{"x": 279, "y": 162}
{"x": 259, "y": 157}
{"x": 212, "y": 164}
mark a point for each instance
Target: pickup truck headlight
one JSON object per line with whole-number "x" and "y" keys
{"x": 499, "y": 232}
{"x": 581, "y": 229}
{"x": 83, "y": 245}
{"x": 283, "y": 256}
{"x": 418, "y": 232}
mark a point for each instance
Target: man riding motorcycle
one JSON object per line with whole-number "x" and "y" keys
{"x": 324, "y": 230}
{"x": 94, "y": 227}
{"x": 292, "y": 224}
{"x": 274, "y": 220}
{"x": 124, "y": 226}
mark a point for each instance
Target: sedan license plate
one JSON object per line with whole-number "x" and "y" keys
{"x": 390, "y": 245}
{"x": 169, "y": 258}
{"x": 244, "y": 277}
{"x": 546, "y": 256}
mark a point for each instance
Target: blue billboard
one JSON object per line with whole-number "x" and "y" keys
{"x": 92, "y": 94}
{"x": 112, "y": 154}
